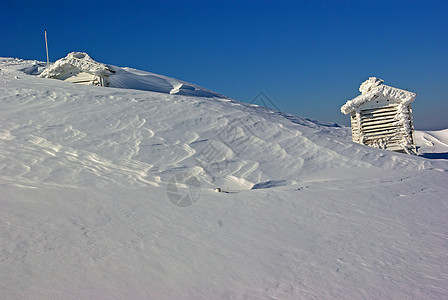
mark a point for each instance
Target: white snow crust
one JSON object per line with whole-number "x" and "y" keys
{"x": 369, "y": 84}
{"x": 84, "y": 173}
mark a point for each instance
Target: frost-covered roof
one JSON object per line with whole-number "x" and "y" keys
{"x": 79, "y": 60}
{"x": 374, "y": 87}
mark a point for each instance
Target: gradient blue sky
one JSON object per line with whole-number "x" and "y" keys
{"x": 309, "y": 57}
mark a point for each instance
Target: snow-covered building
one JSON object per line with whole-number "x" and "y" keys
{"x": 381, "y": 116}
{"x": 79, "y": 67}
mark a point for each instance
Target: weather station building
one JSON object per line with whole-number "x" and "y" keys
{"x": 381, "y": 117}
{"x": 79, "y": 67}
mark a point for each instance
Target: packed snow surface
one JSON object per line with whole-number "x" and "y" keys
{"x": 89, "y": 176}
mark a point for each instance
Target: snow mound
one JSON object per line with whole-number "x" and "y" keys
{"x": 29, "y": 67}
{"x": 433, "y": 144}
{"x": 129, "y": 78}
{"x": 126, "y": 78}
{"x": 127, "y": 137}
{"x": 79, "y": 60}
{"x": 272, "y": 183}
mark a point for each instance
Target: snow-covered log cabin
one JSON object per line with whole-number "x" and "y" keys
{"x": 79, "y": 67}
{"x": 381, "y": 116}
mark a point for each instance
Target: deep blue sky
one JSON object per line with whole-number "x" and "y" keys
{"x": 309, "y": 57}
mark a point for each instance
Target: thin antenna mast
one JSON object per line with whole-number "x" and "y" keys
{"x": 46, "y": 47}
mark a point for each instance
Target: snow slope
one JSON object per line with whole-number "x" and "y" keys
{"x": 88, "y": 185}
{"x": 433, "y": 144}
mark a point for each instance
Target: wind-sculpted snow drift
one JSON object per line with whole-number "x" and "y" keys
{"x": 308, "y": 213}
{"x": 127, "y": 78}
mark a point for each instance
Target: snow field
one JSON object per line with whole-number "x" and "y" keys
{"x": 309, "y": 214}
